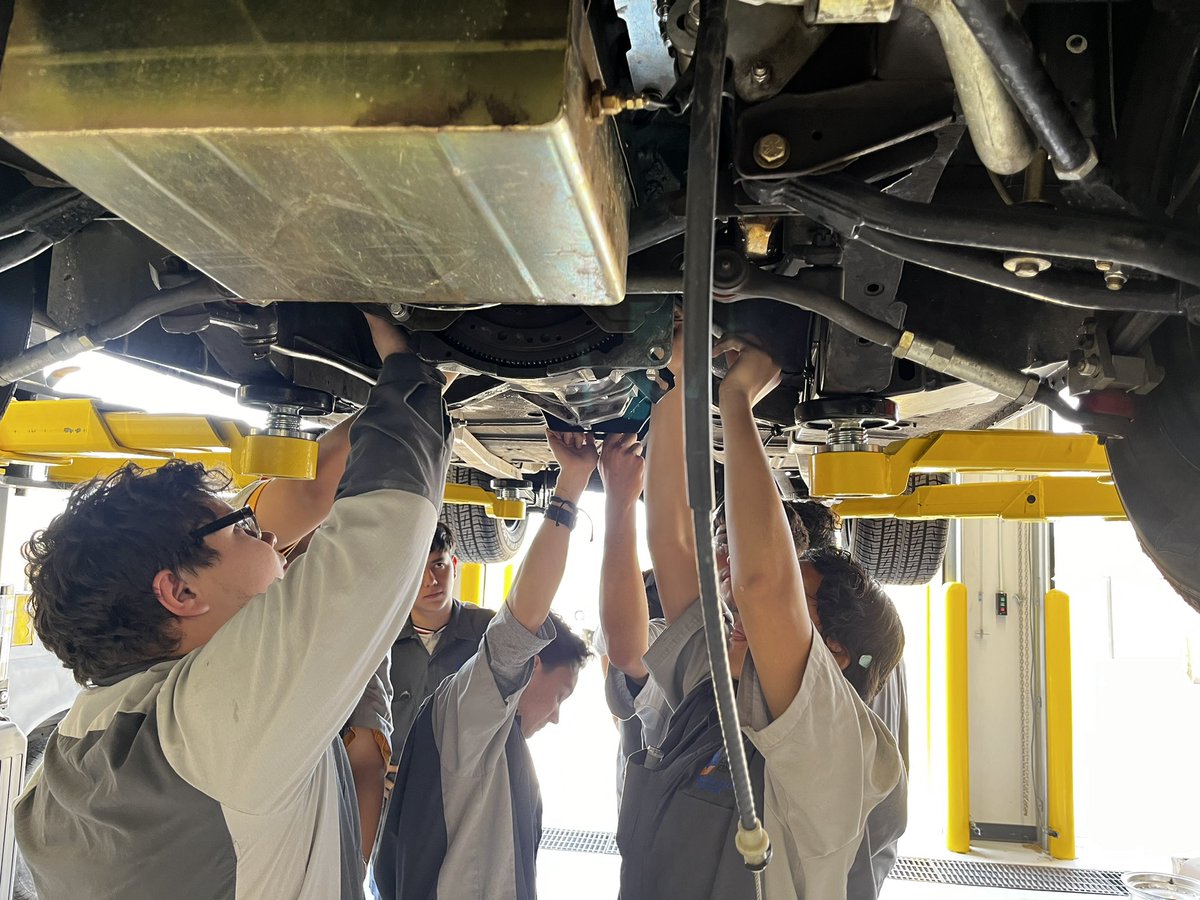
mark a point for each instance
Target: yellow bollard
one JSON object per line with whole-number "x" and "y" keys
{"x": 1059, "y": 736}
{"x": 470, "y": 583}
{"x": 958, "y": 746}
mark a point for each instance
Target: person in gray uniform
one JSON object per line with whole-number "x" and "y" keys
{"x": 465, "y": 818}
{"x": 202, "y": 760}
{"x": 809, "y": 645}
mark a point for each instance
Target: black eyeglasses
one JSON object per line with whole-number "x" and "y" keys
{"x": 241, "y": 518}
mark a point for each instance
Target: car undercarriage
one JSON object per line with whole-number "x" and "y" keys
{"x": 932, "y": 213}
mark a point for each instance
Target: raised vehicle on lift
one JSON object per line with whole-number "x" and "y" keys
{"x": 935, "y": 212}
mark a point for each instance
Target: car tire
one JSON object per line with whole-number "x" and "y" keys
{"x": 1156, "y": 467}
{"x": 898, "y": 551}
{"x": 478, "y": 537}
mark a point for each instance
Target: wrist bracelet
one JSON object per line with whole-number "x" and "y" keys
{"x": 562, "y": 512}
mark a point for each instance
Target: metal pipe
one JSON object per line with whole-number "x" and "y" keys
{"x": 17, "y": 250}
{"x": 958, "y": 734}
{"x": 708, "y": 66}
{"x": 846, "y": 206}
{"x": 332, "y": 363}
{"x": 1016, "y": 62}
{"x": 32, "y": 204}
{"x": 1059, "y": 736}
{"x": 72, "y": 343}
{"x": 1002, "y": 140}
{"x": 1059, "y": 288}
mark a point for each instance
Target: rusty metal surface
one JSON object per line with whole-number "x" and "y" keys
{"x": 418, "y": 152}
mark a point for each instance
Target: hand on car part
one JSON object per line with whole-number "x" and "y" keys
{"x": 621, "y": 470}
{"x": 388, "y": 337}
{"x": 575, "y": 452}
{"x": 752, "y": 374}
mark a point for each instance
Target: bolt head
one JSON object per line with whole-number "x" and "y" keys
{"x": 771, "y": 151}
{"x": 1103, "y": 265}
{"x": 1026, "y": 270}
{"x": 1026, "y": 266}
{"x": 1115, "y": 280}
{"x": 760, "y": 73}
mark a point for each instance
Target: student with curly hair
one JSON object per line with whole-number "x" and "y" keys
{"x": 202, "y": 758}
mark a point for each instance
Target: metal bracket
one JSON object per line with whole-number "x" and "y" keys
{"x": 1020, "y": 501}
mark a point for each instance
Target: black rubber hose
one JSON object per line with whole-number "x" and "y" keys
{"x": 708, "y": 66}
{"x": 1059, "y": 288}
{"x": 846, "y": 206}
{"x": 32, "y": 204}
{"x": 1012, "y": 55}
{"x": 69, "y": 344}
{"x": 17, "y": 250}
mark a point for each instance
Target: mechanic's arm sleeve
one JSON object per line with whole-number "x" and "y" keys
{"x": 246, "y": 717}
{"x": 373, "y": 712}
{"x": 473, "y": 708}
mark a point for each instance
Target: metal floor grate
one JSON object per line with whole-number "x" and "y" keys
{"x": 968, "y": 873}
{"x": 971, "y": 873}
{"x": 572, "y": 839}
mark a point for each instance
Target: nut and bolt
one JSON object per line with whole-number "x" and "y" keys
{"x": 760, "y": 73}
{"x": 610, "y": 103}
{"x": 771, "y": 151}
{"x": 1089, "y": 367}
{"x": 658, "y": 354}
{"x": 399, "y": 312}
{"x": 1103, "y": 265}
{"x": 1026, "y": 266}
{"x": 1115, "y": 278}
{"x": 691, "y": 24}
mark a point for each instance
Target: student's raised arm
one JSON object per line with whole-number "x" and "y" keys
{"x": 669, "y": 527}
{"x": 764, "y": 573}
{"x": 624, "y": 613}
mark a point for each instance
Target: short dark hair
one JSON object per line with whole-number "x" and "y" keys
{"x": 814, "y": 523}
{"x": 443, "y": 539}
{"x": 567, "y": 648}
{"x": 91, "y": 570}
{"x": 857, "y": 613}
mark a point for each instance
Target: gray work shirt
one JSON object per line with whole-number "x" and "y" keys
{"x": 220, "y": 774}
{"x": 416, "y": 673}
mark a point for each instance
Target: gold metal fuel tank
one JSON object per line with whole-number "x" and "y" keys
{"x": 389, "y": 151}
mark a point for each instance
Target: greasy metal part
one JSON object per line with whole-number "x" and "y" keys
{"x": 828, "y": 130}
{"x": 771, "y": 151}
{"x": 30, "y": 206}
{"x": 1015, "y": 61}
{"x": 848, "y": 12}
{"x": 847, "y": 206}
{"x": 1034, "y": 500}
{"x": 1025, "y": 266}
{"x": 767, "y": 46}
{"x": 611, "y": 103}
{"x": 1060, "y": 286}
{"x": 471, "y": 452}
{"x": 1115, "y": 277}
{"x": 998, "y": 131}
{"x": 297, "y": 154}
{"x": 72, "y": 343}
{"x": 651, "y": 65}
{"x": 1094, "y": 367}
{"x": 886, "y": 474}
{"x": 946, "y": 358}
{"x": 756, "y": 233}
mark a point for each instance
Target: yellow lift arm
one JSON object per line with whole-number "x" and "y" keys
{"x": 80, "y": 439}
{"x": 1075, "y": 479}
